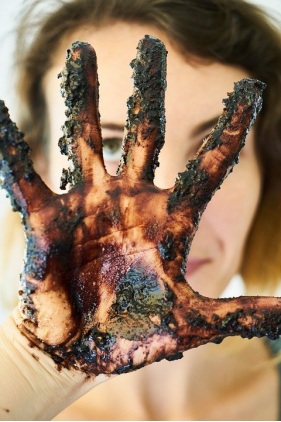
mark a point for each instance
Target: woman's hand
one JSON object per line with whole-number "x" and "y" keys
{"x": 103, "y": 287}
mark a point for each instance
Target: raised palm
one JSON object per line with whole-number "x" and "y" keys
{"x": 103, "y": 286}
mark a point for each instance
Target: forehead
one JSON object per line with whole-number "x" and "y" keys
{"x": 193, "y": 88}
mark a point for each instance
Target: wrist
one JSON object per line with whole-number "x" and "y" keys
{"x": 31, "y": 384}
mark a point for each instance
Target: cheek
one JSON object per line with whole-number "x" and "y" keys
{"x": 231, "y": 211}
{"x": 224, "y": 227}
{"x": 239, "y": 197}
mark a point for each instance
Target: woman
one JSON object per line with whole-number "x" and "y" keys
{"x": 211, "y": 44}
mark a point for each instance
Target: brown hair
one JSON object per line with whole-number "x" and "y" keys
{"x": 230, "y": 31}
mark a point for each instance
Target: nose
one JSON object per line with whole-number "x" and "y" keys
{"x": 169, "y": 168}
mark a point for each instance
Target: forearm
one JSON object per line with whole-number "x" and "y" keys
{"x": 31, "y": 385}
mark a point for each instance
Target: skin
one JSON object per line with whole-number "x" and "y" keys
{"x": 197, "y": 268}
{"x": 194, "y": 97}
{"x": 194, "y": 94}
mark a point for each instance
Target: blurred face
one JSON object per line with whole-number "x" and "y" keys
{"x": 193, "y": 104}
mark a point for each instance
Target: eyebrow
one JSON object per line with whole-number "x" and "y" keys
{"x": 204, "y": 126}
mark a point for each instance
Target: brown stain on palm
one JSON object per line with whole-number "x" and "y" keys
{"x": 103, "y": 287}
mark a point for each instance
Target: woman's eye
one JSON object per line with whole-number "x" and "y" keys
{"x": 112, "y": 149}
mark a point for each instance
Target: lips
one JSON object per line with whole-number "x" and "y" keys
{"x": 194, "y": 264}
